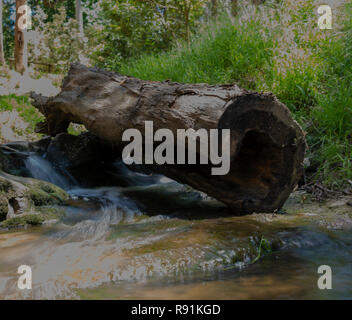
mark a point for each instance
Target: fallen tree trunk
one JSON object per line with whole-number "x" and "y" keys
{"x": 267, "y": 145}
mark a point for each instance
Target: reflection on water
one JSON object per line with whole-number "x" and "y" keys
{"x": 283, "y": 275}
{"x": 152, "y": 238}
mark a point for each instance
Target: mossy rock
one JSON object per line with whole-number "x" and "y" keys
{"x": 3, "y": 207}
{"x": 51, "y": 213}
{"x": 46, "y": 194}
{"x": 5, "y": 185}
{"x": 17, "y": 222}
{"x": 11, "y": 164}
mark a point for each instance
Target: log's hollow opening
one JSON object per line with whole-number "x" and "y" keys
{"x": 257, "y": 166}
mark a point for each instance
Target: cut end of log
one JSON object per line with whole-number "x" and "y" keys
{"x": 268, "y": 159}
{"x": 267, "y": 145}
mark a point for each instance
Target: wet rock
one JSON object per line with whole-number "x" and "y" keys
{"x": 338, "y": 203}
{"x": 45, "y": 194}
{"x": 40, "y": 146}
{"x": 22, "y": 146}
{"x": 23, "y": 196}
{"x": 13, "y": 155}
{"x": 69, "y": 151}
{"x": 3, "y": 207}
{"x": 24, "y": 221}
{"x": 12, "y": 161}
{"x": 13, "y": 195}
{"x": 50, "y": 222}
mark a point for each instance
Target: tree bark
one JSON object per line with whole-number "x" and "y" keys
{"x": 79, "y": 17}
{"x": 187, "y": 11}
{"x": 20, "y": 41}
{"x": 2, "y": 56}
{"x": 267, "y": 145}
{"x": 214, "y": 8}
{"x": 234, "y": 7}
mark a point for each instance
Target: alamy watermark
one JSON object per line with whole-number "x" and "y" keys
{"x": 325, "y": 281}
{"x": 25, "y": 20}
{"x": 25, "y": 280}
{"x": 204, "y": 147}
{"x": 325, "y": 20}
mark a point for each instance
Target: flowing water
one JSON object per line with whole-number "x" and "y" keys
{"x": 148, "y": 237}
{"x": 42, "y": 169}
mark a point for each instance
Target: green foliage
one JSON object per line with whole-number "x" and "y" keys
{"x": 57, "y": 41}
{"x": 333, "y": 119}
{"x": 23, "y": 106}
{"x": 310, "y": 70}
{"x": 263, "y": 248}
{"x": 222, "y": 54}
{"x": 5, "y": 104}
{"x": 132, "y": 27}
{"x": 8, "y": 27}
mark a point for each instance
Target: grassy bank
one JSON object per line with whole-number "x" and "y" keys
{"x": 18, "y": 119}
{"x": 278, "y": 48}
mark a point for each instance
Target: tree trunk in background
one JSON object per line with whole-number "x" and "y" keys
{"x": 214, "y": 8}
{"x": 187, "y": 12}
{"x": 79, "y": 17}
{"x": 2, "y": 56}
{"x": 20, "y": 41}
{"x": 266, "y": 145}
{"x": 234, "y": 7}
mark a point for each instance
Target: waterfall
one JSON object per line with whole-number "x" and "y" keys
{"x": 41, "y": 169}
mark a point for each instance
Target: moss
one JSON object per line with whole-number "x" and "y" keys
{"x": 41, "y": 198}
{"x": 4, "y": 185}
{"x": 51, "y": 213}
{"x": 45, "y": 194}
{"x": 53, "y": 190}
{"x": 3, "y": 207}
{"x": 44, "y": 214}
{"x": 30, "y": 219}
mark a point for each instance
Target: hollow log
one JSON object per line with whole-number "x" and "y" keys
{"x": 267, "y": 145}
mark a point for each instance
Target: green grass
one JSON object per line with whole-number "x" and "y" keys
{"x": 221, "y": 55}
{"x": 308, "y": 69}
{"x": 22, "y": 105}
{"x": 5, "y": 103}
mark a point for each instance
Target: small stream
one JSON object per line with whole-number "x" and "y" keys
{"x": 149, "y": 237}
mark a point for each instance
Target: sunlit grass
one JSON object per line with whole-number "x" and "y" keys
{"x": 279, "y": 48}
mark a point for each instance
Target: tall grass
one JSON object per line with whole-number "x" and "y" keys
{"x": 222, "y": 53}
{"x": 277, "y": 47}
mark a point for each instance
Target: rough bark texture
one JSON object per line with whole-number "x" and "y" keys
{"x": 234, "y": 7}
{"x": 79, "y": 17}
{"x": 2, "y": 57}
{"x": 20, "y": 41}
{"x": 267, "y": 145}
